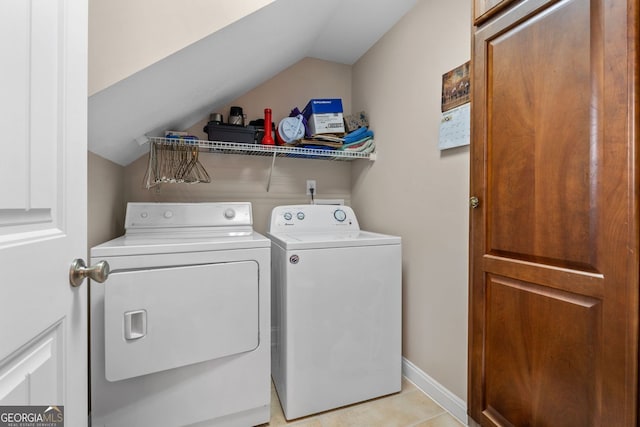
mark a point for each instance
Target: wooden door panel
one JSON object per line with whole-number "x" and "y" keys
{"x": 541, "y": 362}
{"x": 542, "y": 158}
{"x": 484, "y": 9}
{"x": 576, "y": 281}
{"x": 553, "y": 303}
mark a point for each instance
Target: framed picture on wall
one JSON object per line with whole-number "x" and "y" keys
{"x": 456, "y": 87}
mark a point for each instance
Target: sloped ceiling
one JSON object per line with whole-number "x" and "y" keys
{"x": 184, "y": 87}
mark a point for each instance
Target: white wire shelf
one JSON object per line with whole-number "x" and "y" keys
{"x": 268, "y": 150}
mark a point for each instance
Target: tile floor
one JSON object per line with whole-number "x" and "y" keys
{"x": 409, "y": 408}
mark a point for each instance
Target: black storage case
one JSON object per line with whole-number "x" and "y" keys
{"x": 230, "y": 133}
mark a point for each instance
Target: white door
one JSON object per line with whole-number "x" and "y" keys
{"x": 43, "y": 119}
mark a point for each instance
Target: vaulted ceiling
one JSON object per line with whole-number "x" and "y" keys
{"x": 182, "y": 88}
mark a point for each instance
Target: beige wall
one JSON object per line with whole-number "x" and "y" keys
{"x": 126, "y": 36}
{"x": 294, "y": 87}
{"x": 105, "y": 200}
{"x": 245, "y": 178}
{"x": 413, "y": 189}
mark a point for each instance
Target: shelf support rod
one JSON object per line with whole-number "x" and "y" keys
{"x": 273, "y": 161}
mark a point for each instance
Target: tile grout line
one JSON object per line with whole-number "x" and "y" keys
{"x": 428, "y": 418}
{"x": 320, "y": 418}
{"x": 445, "y": 409}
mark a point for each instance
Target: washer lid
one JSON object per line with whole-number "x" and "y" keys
{"x": 319, "y": 240}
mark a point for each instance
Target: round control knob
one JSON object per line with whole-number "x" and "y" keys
{"x": 144, "y": 214}
{"x": 288, "y": 216}
{"x": 340, "y": 215}
{"x": 300, "y": 215}
{"x": 168, "y": 214}
{"x": 229, "y": 213}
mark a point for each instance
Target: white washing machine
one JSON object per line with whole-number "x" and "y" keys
{"x": 180, "y": 330}
{"x": 336, "y": 309}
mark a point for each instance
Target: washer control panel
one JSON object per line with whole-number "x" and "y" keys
{"x": 303, "y": 218}
{"x": 163, "y": 215}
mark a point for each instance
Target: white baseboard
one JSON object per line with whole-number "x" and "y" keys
{"x": 440, "y": 394}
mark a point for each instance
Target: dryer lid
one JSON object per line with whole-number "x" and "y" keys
{"x": 164, "y": 228}
{"x": 175, "y": 244}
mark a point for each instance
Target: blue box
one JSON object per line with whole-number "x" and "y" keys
{"x": 324, "y": 116}
{"x": 322, "y": 106}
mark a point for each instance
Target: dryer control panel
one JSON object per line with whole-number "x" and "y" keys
{"x": 303, "y": 218}
{"x": 187, "y": 215}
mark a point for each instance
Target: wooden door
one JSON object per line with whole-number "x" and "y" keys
{"x": 484, "y": 9}
{"x": 554, "y": 241}
{"x": 43, "y": 117}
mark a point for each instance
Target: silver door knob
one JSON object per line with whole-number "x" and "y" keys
{"x": 79, "y": 270}
{"x": 474, "y": 202}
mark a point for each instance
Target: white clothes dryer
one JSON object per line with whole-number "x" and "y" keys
{"x": 180, "y": 330}
{"x": 336, "y": 309}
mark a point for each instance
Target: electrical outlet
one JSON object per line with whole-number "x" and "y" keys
{"x": 311, "y": 183}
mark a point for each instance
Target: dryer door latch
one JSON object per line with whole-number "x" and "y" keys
{"x": 135, "y": 324}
